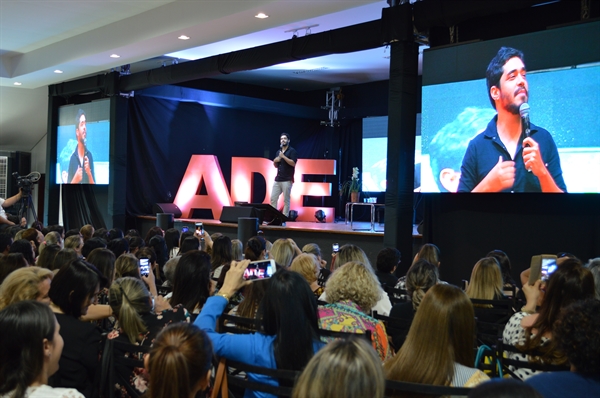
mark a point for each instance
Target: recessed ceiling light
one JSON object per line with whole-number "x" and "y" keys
{"x": 115, "y": 56}
{"x": 17, "y": 83}
{"x": 261, "y": 15}
{"x": 183, "y": 37}
{"x": 58, "y": 71}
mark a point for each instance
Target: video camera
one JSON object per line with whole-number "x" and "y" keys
{"x": 26, "y": 182}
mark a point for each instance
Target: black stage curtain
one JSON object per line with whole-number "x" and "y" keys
{"x": 164, "y": 134}
{"x": 467, "y": 226}
{"x": 80, "y": 207}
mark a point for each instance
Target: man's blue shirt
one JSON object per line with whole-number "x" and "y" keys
{"x": 483, "y": 152}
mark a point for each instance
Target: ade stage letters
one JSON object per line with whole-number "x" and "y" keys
{"x": 205, "y": 169}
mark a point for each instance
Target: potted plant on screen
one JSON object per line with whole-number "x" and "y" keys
{"x": 351, "y": 187}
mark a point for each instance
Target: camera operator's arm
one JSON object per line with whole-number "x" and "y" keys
{"x": 7, "y": 203}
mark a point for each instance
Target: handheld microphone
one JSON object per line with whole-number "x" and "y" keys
{"x": 524, "y": 112}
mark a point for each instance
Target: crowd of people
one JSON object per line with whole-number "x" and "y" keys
{"x": 63, "y": 294}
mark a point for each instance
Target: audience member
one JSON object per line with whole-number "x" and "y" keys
{"x": 169, "y": 270}
{"x": 289, "y": 331}
{"x": 128, "y": 265}
{"x": 24, "y": 247}
{"x": 529, "y": 330}
{"x": 28, "y": 283}
{"x": 74, "y": 242}
{"x": 283, "y": 252}
{"x": 237, "y": 250}
{"x": 30, "y": 349}
{"x": 505, "y": 267}
{"x": 352, "y": 291}
{"x": 181, "y": 354}
{"x": 118, "y": 246}
{"x": 439, "y": 347}
{"x": 154, "y": 231}
{"x": 92, "y": 244}
{"x": 115, "y": 233}
{"x": 72, "y": 232}
{"x": 101, "y": 233}
{"x": 87, "y": 232}
{"x": 577, "y": 334}
{"x": 429, "y": 252}
{"x": 313, "y": 248}
{"x": 104, "y": 260}
{"x": 308, "y": 266}
{"x": 9, "y": 263}
{"x": 47, "y": 256}
{"x": 65, "y": 256}
{"x": 5, "y": 241}
{"x": 51, "y": 238}
{"x": 138, "y": 323}
{"x": 346, "y": 368}
{"x": 172, "y": 241}
{"x": 192, "y": 285}
{"x": 486, "y": 280}
{"x": 255, "y": 249}
{"x": 387, "y": 261}
{"x": 253, "y": 295}
{"x": 188, "y": 244}
{"x": 421, "y": 276}
{"x": 34, "y": 237}
{"x": 594, "y": 266}
{"x": 161, "y": 254}
{"x": 73, "y": 290}
{"x": 221, "y": 255}
{"x": 135, "y": 244}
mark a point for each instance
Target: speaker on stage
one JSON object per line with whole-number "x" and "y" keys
{"x": 165, "y": 221}
{"x": 167, "y": 208}
{"x": 231, "y": 214}
{"x": 247, "y": 228}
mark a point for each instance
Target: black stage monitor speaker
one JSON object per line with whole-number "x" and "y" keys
{"x": 270, "y": 214}
{"x": 230, "y": 214}
{"x": 165, "y": 221}
{"x": 167, "y": 208}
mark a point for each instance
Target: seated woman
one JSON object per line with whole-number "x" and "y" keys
{"x": 139, "y": 324}
{"x": 192, "y": 285}
{"x": 486, "y": 284}
{"x": 289, "y": 332}
{"x": 530, "y": 330}
{"x": 421, "y": 276}
{"x": 74, "y": 288}
{"x": 29, "y": 283}
{"x": 509, "y": 283}
{"x": 128, "y": 265}
{"x": 181, "y": 354}
{"x": 256, "y": 249}
{"x": 283, "y": 252}
{"x": 344, "y": 368}
{"x": 11, "y": 262}
{"x": 349, "y": 253}
{"x": 352, "y": 291}
{"x": 221, "y": 255}
{"x": 30, "y": 348}
{"x": 308, "y": 266}
{"x": 24, "y": 247}
{"x": 439, "y": 347}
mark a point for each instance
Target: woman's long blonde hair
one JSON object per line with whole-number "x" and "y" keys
{"x": 129, "y": 298}
{"x": 486, "y": 280}
{"x": 442, "y": 334}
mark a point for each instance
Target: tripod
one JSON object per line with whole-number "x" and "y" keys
{"x": 27, "y": 205}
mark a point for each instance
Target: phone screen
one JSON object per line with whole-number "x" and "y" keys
{"x": 335, "y": 247}
{"x": 548, "y": 267}
{"x": 184, "y": 229}
{"x": 144, "y": 266}
{"x": 199, "y": 228}
{"x": 259, "y": 270}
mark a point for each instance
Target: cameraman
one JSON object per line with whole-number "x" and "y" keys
{"x": 4, "y": 221}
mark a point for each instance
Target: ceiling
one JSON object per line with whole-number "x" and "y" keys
{"x": 77, "y": 37}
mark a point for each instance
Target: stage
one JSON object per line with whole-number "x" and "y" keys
{"x": 324, "y": 234}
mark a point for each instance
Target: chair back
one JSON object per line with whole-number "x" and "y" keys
{"x": 237, "y": 325}
{"x": 510, "y": 364}
{"x": 396, "y": 388}
{"x": 493, "y": 311}
{"x": 115, "y": 364}
{"x": 396, "y": 295}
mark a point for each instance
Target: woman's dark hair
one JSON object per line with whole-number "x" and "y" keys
{"x": 191, "y": 286}
{"x": 160, "y": 248}
{"x": 505, "y": 266}
{"x": 135, "y": 242}
{"x": 24, "y": 247}
{"x": 24, "y": 326}
{"x": 146, "y": 252}
{"x": 133, "y": 232}
{"x": 188, "y": 244}
{"x": 65, "y": 256}
{"x": 221, "y": 252}
{"x": 181, "y": 354}
{"x": 101, "y": 233}
{"x": 254, "y": 247}
{"x": 289, "y": 312}
{"x": 172, "y": 238}
{"x": 9, "y": 263}
{"x": 185, "y": 235}
{"x": 154, "y": 231}
{"x": 91, "y": 244}
{"x": 104, "y": 260}
{"x": 118, "y": 246}
{"x": 571, "y": 282}
{"x": 115, "y": 233}
{"x": 46, "y": 258}
{"x": 253, "y": 295}
{"x": 72, "y": 286}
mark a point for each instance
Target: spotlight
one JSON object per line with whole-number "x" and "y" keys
{"x": 293, "y": 215}
{"x": 320, "y": 215}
